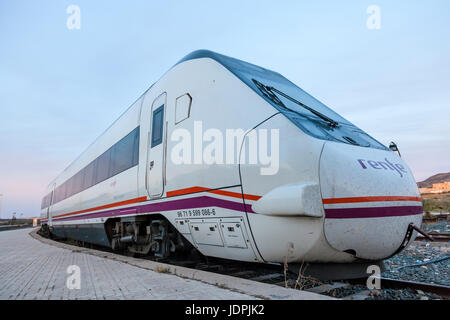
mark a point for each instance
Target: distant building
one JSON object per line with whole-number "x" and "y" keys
{"x": 437, "y": 188}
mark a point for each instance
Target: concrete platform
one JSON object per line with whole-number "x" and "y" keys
{"x": 32, "y": 267}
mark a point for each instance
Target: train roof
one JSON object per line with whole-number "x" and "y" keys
{"x": 248, "y": 73}
{"x": 224, "y": 60}
{"x": 235, "y": 66}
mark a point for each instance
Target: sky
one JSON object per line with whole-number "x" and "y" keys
{"x": 60, "y": 88}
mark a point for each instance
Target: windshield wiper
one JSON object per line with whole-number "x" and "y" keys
{"x": 269, "y": 92}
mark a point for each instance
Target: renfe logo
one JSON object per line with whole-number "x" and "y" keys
{"x": 378, "y": 165}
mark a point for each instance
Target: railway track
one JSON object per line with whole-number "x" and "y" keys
{"x": 276, "y": 274}
{"x": 443, "y": 291}
{"x": 355, "y": 289}
{"x": 437, "y": 218}
{"x": 439, "y": 237}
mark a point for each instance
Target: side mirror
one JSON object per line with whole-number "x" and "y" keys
{"x": 393, "y": 147}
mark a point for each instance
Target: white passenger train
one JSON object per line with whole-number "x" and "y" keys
{"x": 337, "y": 195}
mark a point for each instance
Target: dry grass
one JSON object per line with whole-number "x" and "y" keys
{"x": 222, "y": 286}
{"x": 160, "y": 269}
{"x": 302, "y": 280}
{"x": 436, "y": 202}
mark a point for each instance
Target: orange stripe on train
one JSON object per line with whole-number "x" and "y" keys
{"x": 219, "y": 192}
{"x": 370, "y": 199}
{"x": 106, "y": 206}
{"x": 169, "y": 194}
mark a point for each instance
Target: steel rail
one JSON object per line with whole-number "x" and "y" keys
{"x": 439, "y": 237}
{"x": 441, "y": 290}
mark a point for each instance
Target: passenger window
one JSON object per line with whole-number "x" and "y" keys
{"x": 57, "y": 196}
{"x": 102, "y": 167}
{"x": 62, "y": 191}
{"x": 182, "y": 108}
{"x": 89, "y": 178}
{"x": 122, "y": 155}
{"x": 78, "y": 182}
{"x": 136, "y": 147}
{"x": 157, "y": 126}
{"x": 70, "y": 187}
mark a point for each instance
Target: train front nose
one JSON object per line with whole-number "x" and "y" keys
{"x": 369, "y": 197}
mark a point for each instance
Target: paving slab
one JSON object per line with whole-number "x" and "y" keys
{"x": 33, "y": 267}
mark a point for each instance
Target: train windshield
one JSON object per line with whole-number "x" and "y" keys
{"x": 306, "y": 112}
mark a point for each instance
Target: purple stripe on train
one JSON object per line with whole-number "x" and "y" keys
{"x": 190, "y": 203}
{"x": 373, "y": 212}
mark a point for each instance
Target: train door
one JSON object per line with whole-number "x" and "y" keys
{"x": 156, "y": 148}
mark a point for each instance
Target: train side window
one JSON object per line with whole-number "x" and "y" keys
{"x": 74, "y": 189}
{"x": 78, "y": 182}
{"x": 125, "y": 153}
{"x": 89, "y": 177}
{"x": 69, "y": 188}
{"x": 122, "y": 154}
{"x": 46, "y": 201}
{"x": 62, "y": 191}
{"x": 157, "y": 126}
{"x": 182, "y": 107}
{"x": 136, "y": 146}
{"x": 57, "y": 196}
{"x": 102, "y": 167}
{"x": 120, "y": 157}
{"x": 66, "y": 189}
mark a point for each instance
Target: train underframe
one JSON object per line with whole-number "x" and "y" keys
{"x": 148, "y": 234}
{"x": 141, "y": 235}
